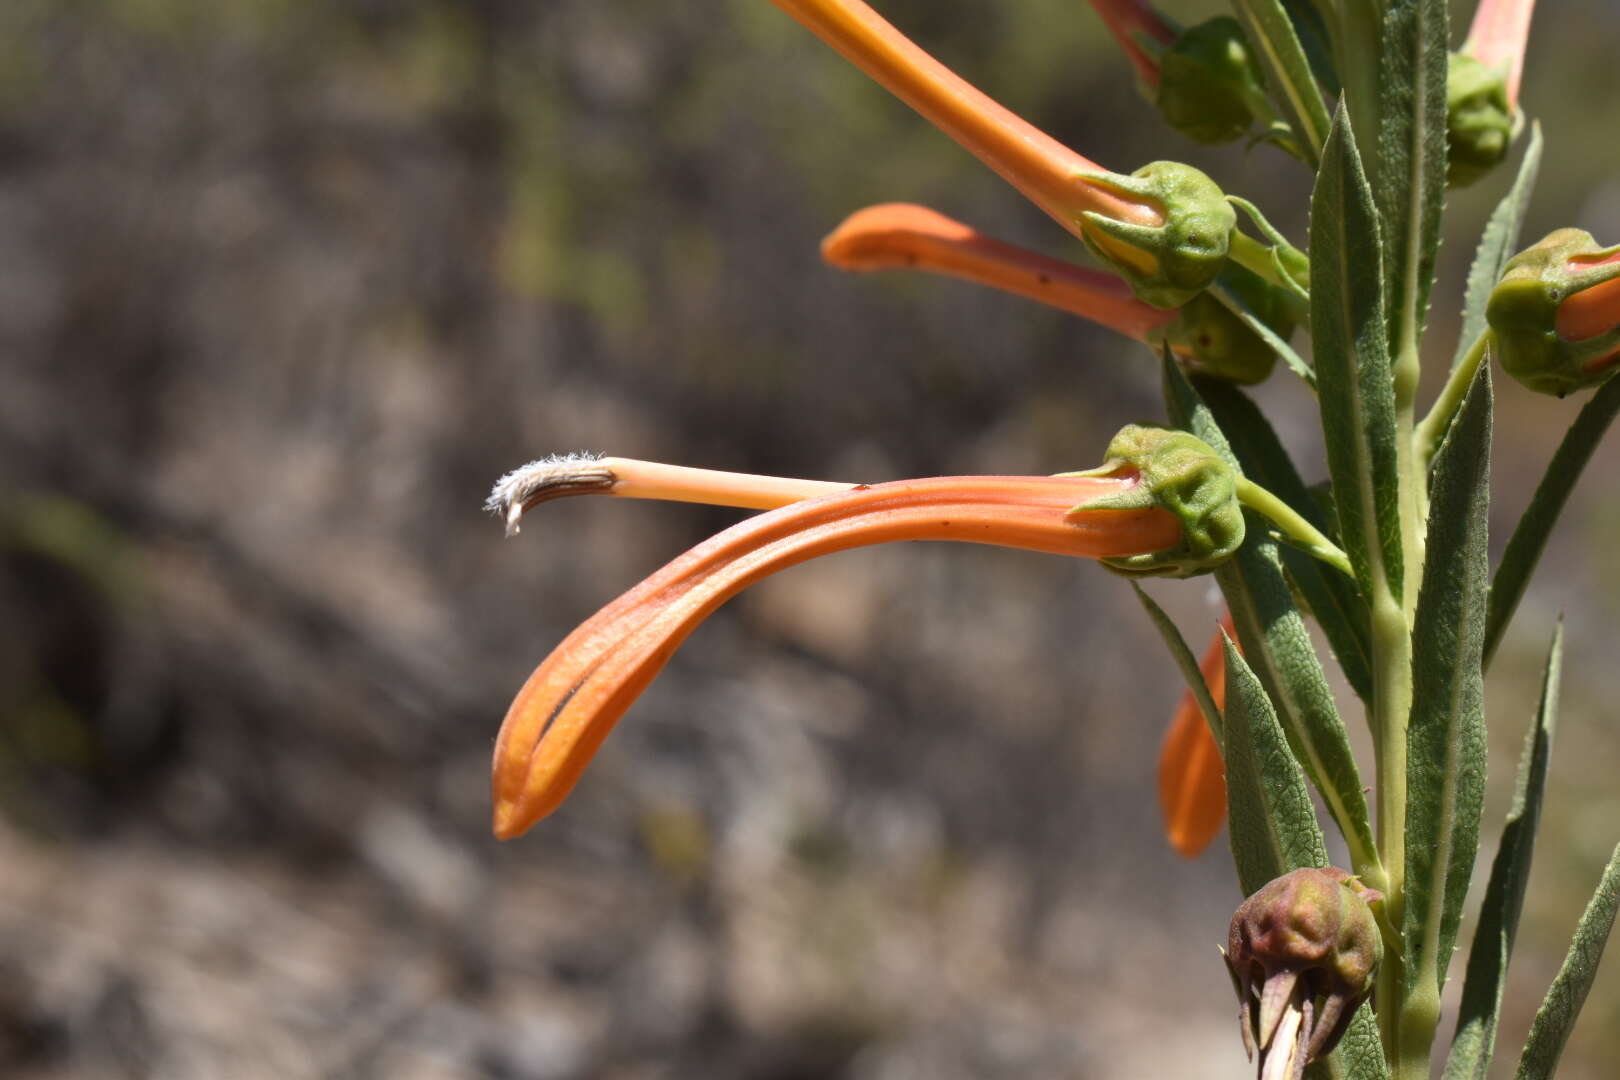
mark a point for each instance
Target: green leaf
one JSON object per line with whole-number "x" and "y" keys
{"x": 1331, "y": 596}
{"x": 1185, "y": 660}
{"x": 1290, "y": 71}
{"x": 1280, "y": 650}
{"x": 1360, "y": 1054}
{"x": 1314, "y": 38}
{"x": 1411, "y": 176}
{"x": 1445, "y": 764}
{"x": 1556, "y": 1017}
{"x": 1354, "y": 382}
{"x": 1497, "y": 245}
{"x": 1529, "y": 539}
{"x": 1480, "y": 1012}
{"x": 1273, "y": 825}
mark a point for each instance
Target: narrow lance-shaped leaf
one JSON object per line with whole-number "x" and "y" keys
{"x": 1273, "y": 830}
{"x": 1411, "y": 171}
{"x": 1497, "y": 245}
{"x": 1331, "y": 596}
{"x": 1352, "y": 365}
{"x": 1289, "y": 69}
{"x": 1281, "y": 653}
{"x": 1445, "y": 765}
{"x": 1529, "y": 538}
{"x": 1480, "y": 1012}
{"x": 1556, "y": 1017}
{"x": 1315, "y": 40}
{"x": 1185, "y": 661}
{"x": 1273, "y": 824}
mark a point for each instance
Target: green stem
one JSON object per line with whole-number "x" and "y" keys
{"x": 1294, "y": 527}
{"x": 1256, "y": 258}
{"x": 1407, "y": 1027}
{"x": 1431, "y": 431}
{"x": 1391, "y": 704}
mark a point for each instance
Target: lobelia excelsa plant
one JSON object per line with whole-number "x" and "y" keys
{"x": 1338, "y": 971}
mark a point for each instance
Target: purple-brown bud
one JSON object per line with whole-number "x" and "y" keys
{"x": 1302, "y": 953}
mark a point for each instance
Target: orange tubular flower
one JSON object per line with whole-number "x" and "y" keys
{"x": 1594, "y": 310}
{"x": 1192, "y": 776}
{"x": 575, "y": 696}
{"x": 1206, "y": 337}
{"x": 1029, "y": 159}
{"x": 1138, "y": 27}
{"x": 1497, "y": 39}
{"x": 904, "y": 236}
{"x": 1166, "y": 228}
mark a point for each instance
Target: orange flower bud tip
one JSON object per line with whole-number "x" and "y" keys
{"x": 1594, "y": 310}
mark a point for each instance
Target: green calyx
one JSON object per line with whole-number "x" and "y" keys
{"x": 1208, "y": 82}
{"x": 1181, "y": 474}
{"x": 1168, "y": 264}
{"x": 1480, "y": 121}
{"x": 1523, "y": 315}
{"x": 1208, "y": 339}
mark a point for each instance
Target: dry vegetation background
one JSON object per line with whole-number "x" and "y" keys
{"x": 284, "y": 286}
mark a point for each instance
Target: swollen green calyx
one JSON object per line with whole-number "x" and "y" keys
{"x": 1524, "y": 313}
{"x": 1209, "y": 83}
{"x": 1178, "y": 473}
{"x": 1167, "y": 264}
{"x": 1480, "y": 120}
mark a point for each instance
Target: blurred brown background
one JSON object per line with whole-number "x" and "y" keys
{"x": 283, "y": 288}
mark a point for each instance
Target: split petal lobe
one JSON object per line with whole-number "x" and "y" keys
{"x": 1192, "y": 776}
{"x": 904, "y": 236}
{"x": 575, "y": 696}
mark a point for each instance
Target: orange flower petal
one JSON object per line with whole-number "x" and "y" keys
{"x": 1192, "y": 776}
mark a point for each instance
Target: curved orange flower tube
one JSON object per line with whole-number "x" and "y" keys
{"x": 1192, "y": 776}
{"x": 576, "y": 695}
{"x": 1048, "y": 173}
{"x": 905, "y": 236}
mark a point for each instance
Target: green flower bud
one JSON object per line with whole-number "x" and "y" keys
{"x": 1168, "y": 264}
{"x": 1302, "y": 953}
{"x": 1555, "y": 319}
{"x": 1208, "y": 82}
{"x": 1480, "y": 121}
{"x": 1179, "y": 473}
{"x": 1208, "y": 339}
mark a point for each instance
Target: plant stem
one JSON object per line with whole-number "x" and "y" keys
{"x": 1407, "y": 1027}
{"x": 1295, "y": 528}
{"x": 1431, "y": 431}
